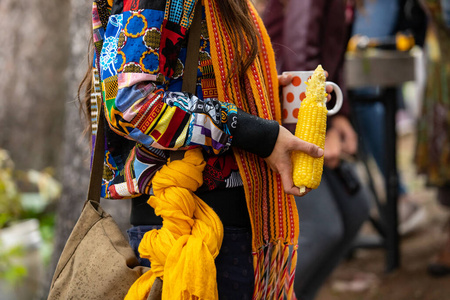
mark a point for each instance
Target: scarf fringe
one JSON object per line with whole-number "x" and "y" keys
{"x": 275, "y": 271}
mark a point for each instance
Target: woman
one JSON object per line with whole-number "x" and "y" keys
{"x": 237, "y": 159}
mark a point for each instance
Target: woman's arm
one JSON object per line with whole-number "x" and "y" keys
{"x": 141, "y": 107}
{"x": 150, "y": 115}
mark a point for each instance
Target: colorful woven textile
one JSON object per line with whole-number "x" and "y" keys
{"x": 273, "y": 213}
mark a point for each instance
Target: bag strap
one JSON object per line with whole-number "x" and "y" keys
{"x": 95, "y": 181}
{"x": 191, "y": 64}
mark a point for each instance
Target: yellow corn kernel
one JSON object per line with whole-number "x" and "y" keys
{"x": 311, "y": 127}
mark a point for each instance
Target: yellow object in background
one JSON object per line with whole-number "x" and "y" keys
{"x": 311, "y": 127}
{"x": 402, "y": 41}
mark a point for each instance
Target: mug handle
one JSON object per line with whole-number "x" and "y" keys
{"x": 339, "y": 98}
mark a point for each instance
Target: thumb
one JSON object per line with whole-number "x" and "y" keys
{"x": 308, "y": 148}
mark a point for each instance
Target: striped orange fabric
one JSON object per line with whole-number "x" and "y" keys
{"x": 273, "y": 214}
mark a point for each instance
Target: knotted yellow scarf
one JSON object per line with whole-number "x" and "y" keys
{"x": 182, "y": 252}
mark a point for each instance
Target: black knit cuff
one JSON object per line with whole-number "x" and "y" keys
{"x": 254, "y": 134}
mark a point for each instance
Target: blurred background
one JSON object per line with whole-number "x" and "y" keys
{"x": 44, "y": 161}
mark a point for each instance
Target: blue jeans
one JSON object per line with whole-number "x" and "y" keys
{"x": 378, "y": 20}
{"x": 371, "y": 122}
{"x": 234, "y": 264}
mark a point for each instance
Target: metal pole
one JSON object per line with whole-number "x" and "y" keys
{"x": 391, "y": 177}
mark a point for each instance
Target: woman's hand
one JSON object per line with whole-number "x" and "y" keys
{"x": 280, "y": 158}
{"x": 284, "y": 79}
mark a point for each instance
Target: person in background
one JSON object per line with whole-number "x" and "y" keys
{"x": 381, "y": 20}
{"x": 433, "y": 132}
{"x": 306, "y": 33}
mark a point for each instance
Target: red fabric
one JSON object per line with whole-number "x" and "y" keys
{"x": 172, "y": 36}
{"x": 177, "y": 121}
{"x": 130, "y": 5}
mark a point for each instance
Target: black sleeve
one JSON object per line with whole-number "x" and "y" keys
{"x": 254, "y": 134}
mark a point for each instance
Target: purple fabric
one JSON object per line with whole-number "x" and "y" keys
{"x": 306, "y": 33}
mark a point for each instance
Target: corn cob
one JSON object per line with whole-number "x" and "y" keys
{"x": 311, "y": 127}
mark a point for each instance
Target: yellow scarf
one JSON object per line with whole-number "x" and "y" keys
{"x": 182, "y": 252}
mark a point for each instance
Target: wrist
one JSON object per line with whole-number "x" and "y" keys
{"x": 255, "y": 135}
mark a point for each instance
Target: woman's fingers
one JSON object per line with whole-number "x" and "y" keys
{"x": 328, "y": 90}
{"x": 308, "y": 148}
{"x": 284, "y": 79}
{"x": 288, "y": 184}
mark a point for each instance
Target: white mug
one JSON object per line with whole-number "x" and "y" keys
{"x": 294, "y": 93}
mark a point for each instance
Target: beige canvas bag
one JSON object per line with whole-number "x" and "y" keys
{"x": 97, "y": 261}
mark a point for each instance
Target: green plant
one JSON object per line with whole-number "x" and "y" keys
{"x": 11, "y": 270}
{"x": 10, "y": 204}
{"x": 25, "y": 195}
{"x": 10, "y": 210}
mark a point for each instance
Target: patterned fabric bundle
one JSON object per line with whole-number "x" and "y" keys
{"x": 140, "y": 82}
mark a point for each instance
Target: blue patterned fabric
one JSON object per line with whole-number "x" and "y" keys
{"x": 141, "y": 84}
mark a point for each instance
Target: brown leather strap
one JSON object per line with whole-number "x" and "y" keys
{"x": 191, "y": 64}
{"x": 156, "y": 290}
{"x": 95, "y": 182}
{"x": 193, "y": 46}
